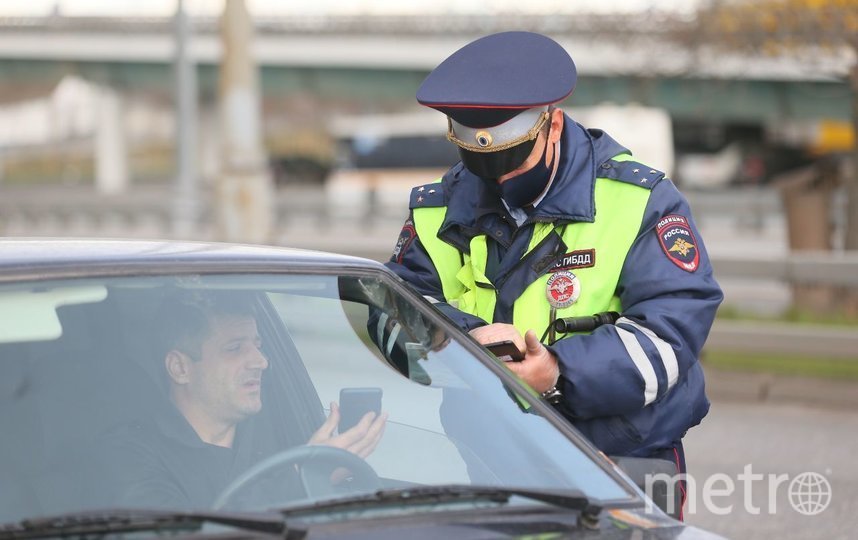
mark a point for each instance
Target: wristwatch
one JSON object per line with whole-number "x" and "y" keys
{"x": 552, "y": 395}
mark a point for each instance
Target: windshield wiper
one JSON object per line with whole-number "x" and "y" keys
{"x": 97, "y": 522}
{"x": 451, "y": 493}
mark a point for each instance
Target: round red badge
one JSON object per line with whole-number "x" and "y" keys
{"x": 563, "y": 289}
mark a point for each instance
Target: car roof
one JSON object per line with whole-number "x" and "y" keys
{"x": 54, "y": 257}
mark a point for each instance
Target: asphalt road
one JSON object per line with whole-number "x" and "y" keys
{"x": 773, "y": 440}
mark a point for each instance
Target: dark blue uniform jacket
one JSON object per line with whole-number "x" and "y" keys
{"x": 622, "y": 387}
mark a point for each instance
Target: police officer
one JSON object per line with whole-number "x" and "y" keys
{"x": 544, "y": 219}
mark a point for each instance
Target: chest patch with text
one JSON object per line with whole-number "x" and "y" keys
{"x": 582, "y": 258}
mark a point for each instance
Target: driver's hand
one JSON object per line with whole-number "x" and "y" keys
{"x": 360, "y": 440}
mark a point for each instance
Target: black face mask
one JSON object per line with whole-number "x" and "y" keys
{"x": 493, "y": 165}
{"x": 523, "y": 189}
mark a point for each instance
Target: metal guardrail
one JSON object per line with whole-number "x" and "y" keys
{"x": 58, "y": 211}
{"x": 810, "y": 268}
{"x": 154, "y": 202}
{"x": 806, "y": 268}
{"x": 785, "y": 338}
{"x": 306, "y": 219}
{"x": 747, "y": 201}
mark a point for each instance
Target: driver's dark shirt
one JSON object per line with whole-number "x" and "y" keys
{"x": 162, "y": 462}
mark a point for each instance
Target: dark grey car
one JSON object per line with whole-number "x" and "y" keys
{"x": 467, "y": 450}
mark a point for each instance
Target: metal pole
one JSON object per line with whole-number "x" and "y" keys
{"x": 111, "y": 153}
{"x": 851, "y": 180}
{"x": 243, "y": 195}
{"x": 186, "y": 203}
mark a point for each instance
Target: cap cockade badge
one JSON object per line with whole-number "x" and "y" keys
{"x": 484, "y": 138}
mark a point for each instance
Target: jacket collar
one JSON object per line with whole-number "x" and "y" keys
{"x": 570, "y": 198}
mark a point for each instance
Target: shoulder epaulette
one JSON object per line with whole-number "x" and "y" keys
{"x": 630, "y": 172}
{"x": 428, "y": 196}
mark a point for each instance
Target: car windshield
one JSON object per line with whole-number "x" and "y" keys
{"x": 256, "y": 391}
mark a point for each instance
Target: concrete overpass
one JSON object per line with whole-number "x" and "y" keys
{"x": 376, "y": 63}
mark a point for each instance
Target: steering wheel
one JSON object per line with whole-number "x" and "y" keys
{"x": 314, "y": 466}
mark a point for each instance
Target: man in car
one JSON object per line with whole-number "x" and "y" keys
{"x": 213, "y": 367}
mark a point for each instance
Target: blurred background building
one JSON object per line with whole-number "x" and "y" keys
{"x": 132, "y": 122}
{"x": 297, "y": 125}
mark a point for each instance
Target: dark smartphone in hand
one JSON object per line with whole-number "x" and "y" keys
{"x": 356, "y": 402}
{"x": 505, "y": 350}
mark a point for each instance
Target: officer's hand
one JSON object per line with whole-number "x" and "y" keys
{"x": 360, "y": 440}
{"x": 498, "y": 332}
{"x": 539, "y": 368}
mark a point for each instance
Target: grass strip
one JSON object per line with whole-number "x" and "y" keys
{"x": 806, "y": 366}
{"x": 791, "y": 315}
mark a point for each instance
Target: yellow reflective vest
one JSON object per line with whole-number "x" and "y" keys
{"x": 597, "y": 252}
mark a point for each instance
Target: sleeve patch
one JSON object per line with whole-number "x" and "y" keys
{"x": 678, "y": 242}
{"x": 406, "y": 237}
